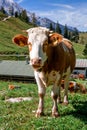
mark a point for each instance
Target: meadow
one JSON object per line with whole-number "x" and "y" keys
{"x": 21, "y": 115}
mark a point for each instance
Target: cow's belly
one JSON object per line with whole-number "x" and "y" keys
{"x": 52, "y": 77}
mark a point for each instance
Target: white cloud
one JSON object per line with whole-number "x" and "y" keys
{"x": 62, "y": 5}
{"x": 85, "y": 25}
{"x": 19, "y": 1}
{"x": 76, "y": 17}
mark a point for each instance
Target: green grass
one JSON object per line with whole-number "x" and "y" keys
{"x": 21, "y": 116}
{"x": 83, "y": 36}
{"x": 79, "y": 50}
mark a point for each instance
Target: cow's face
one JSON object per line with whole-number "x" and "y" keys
{"x": 37, "y": 43}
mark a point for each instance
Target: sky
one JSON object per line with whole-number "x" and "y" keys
{"x": 70, "y": 12}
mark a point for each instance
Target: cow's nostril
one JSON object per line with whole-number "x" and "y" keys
{"x": 36, "y": 61}
{"x": 39, "y": 60}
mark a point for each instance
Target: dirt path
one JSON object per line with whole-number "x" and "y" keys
{"x": 6, "y": 18}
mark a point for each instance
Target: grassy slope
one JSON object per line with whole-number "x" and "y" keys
{"x": 84, "y": 36}
{"x": 8, "y": 29}
{"x": 79, "y": 50}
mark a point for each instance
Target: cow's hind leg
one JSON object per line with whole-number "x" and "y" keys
{"x": 59, "y": 94}
{"x": 54, "y": 95}
{"x": 66, "y": 86}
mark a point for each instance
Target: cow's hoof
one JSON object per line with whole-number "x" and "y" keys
{"x": 55, "y": 115}
{"x": 59, "y": 100}
{"x": 65, "y": 103}
{"x": 39, "y": 114}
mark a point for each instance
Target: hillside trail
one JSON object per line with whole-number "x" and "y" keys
{"x": 6, "y": 18}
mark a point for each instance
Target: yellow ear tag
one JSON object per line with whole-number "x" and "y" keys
{"x": 21, "y": 44}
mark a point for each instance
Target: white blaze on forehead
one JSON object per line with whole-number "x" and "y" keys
{"x": 37, "y": 36}
{"x": 37, "y": 29}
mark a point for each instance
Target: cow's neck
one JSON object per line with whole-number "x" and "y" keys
{"x": 52, "y": 60}
{"x": 55, "y": 59}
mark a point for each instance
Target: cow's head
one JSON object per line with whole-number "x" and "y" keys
{"x": 38, "y": 41}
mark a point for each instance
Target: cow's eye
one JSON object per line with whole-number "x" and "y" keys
{"x": 45, "y": 46}
{"x": 46, "y": 42}
{"x": 30, "y": 46}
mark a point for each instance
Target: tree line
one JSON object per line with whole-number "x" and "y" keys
{"x": 67, "y": 33}
{"x": 72, "y": 35}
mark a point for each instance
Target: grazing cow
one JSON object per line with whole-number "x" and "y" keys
{"x": 75, "y": 87}
{"x": 52, "y": 58}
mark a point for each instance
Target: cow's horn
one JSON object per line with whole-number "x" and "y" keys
{"x": 25, "y": 31}
{"x": 51, "y": 31}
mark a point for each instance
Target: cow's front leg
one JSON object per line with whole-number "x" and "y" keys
{"x": 40, "y": 110}
{"x": 41, "y": 93}
{"x": 54, "y": 95}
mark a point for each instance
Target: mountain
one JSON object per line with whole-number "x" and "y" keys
{"x": 10, "y": 4}
{"x": 45, "y": 22}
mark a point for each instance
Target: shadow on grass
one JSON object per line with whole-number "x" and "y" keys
{"x": 80, "y": 111}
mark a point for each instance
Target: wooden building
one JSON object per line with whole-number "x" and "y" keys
{"x": 81, "y": 67}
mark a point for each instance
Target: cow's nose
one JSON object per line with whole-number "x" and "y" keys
{"x": 36, "y": 61}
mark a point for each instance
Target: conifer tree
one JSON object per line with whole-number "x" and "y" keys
{"x": 58, "y": 29}
{"x": 23, "y": 16}
{"x": 51, "y": 27}
{"x": 16, "y": 14}
{"x": 65, "y": 31}
{"x": 75, "y": 35}
{"x": 34, "y": 19}
{"x": 3, "y": 10}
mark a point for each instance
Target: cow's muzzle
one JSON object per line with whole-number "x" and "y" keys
{"x": 36, "y": 63}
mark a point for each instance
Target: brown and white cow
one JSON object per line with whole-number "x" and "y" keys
{"x": 52, "y": 58}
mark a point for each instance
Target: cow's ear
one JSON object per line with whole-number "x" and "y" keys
{"x": 55, "y": 38}
{"x": 20, "y": 40}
